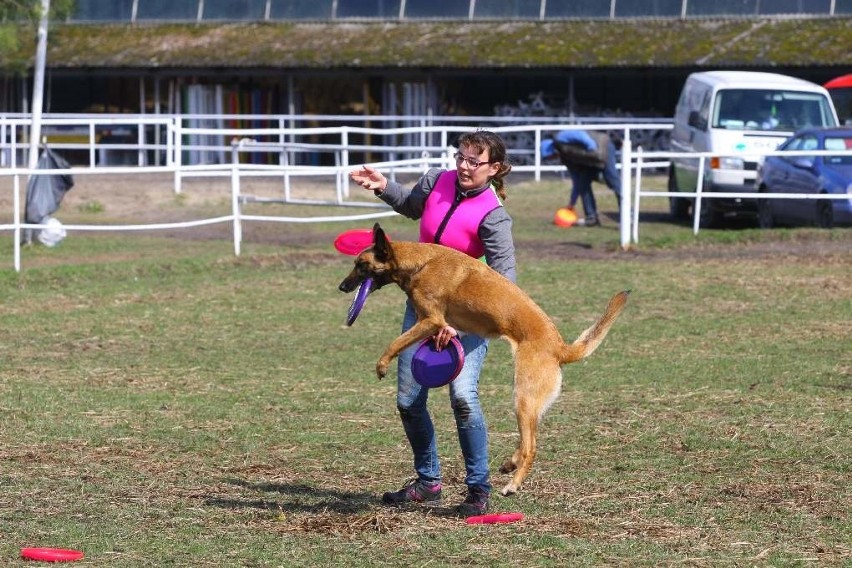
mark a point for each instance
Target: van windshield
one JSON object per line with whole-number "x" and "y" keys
{"x": 842, "y": 98}
{"x": 770, "y": 110}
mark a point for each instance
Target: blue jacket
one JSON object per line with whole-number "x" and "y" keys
{"x": 577, "y": 137}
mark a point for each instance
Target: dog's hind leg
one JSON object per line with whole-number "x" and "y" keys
{"x": 536, "y": 387}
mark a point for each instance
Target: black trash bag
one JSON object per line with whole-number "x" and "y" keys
{"x": 46, "y": 191}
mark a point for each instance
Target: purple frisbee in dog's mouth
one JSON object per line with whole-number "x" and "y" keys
{"x": 359, "y": 300}
{"x": 432, "y": 368}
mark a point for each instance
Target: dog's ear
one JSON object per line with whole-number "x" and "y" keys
{"x": 381, "y": 246}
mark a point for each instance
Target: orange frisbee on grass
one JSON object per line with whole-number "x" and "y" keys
{"x": 564, "y": 217}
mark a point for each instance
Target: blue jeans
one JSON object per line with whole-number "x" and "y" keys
{"x": 464, "y": 399}
{"x": 610, "y": 173}
{"x": 581, "y": 182}
{"x": 581, "y": 186}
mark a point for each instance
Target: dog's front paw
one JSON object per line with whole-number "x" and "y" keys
{"x": 510, "y": 489}
{"x": 382, "y": 368}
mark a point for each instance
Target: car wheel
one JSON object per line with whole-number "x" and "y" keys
{"x": 824, "y": 214}
{"x": 765, "y": 220}
{"x": 678, "y": 206}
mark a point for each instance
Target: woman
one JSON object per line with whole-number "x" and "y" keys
{"x": 461, "y": 209}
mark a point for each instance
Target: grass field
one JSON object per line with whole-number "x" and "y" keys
{"x": 163, "y": 402}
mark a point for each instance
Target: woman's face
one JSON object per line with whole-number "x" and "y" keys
{"x": 471, "y": 177}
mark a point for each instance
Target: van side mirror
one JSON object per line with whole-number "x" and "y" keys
{"x": 803, "y": 162}
{"x": 695, "y": 120}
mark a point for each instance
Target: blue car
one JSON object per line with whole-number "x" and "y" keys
{"x": 808, "y": 174}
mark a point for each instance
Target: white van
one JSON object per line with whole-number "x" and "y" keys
{"x": 737, "y": 115}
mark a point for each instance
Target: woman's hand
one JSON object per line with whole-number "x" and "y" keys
{"x": 443, "y": 337}
{"x": 368, "y": 178}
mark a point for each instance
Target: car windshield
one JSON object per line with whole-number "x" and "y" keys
{"x": 840, "y": 144}
{"x": 770, "y": 110}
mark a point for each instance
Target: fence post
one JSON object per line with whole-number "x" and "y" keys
{"x": 178, "y": 150}
{"x": 635, "y": 211}
{"x": 281, "y": 140}
{"x": 343, "y": 166}
{"x": 235, "y": 196}
{"x": 13, "y": 150}
{"x": 624, "y": 208}
{"x": 93, "y": 141}
{"x": 338, "y": 174}
{"x": 141, "y": 153}
{"x": 537, "y": 153}
{"x": 16, "y": 206}
{"x": 696, "y": 208}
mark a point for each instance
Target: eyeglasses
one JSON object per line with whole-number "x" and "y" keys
{"x": 472, "y": 162}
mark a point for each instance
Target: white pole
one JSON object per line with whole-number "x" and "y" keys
{"x": 235, "y": 196}
{"x": 16, "y": 206}
{"x": 140, "y": 130}
{"x": 696, "y": 208}
{"x": 625, "y": 217}
{"x": 38, "y": 84}
{"x": 636, "y": 193}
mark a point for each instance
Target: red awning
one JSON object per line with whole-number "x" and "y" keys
{"x": 839, "y": 82}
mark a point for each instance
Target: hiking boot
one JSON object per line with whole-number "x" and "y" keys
{"x": 415, "y": 491}
{"x": 476, "y": 503}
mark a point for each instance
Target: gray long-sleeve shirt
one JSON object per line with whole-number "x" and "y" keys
{"x": 495, "y": 230}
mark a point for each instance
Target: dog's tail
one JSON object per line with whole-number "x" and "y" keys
{"x": 589, "y": 340}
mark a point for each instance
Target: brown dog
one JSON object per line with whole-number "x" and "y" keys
{"x": 448, "y": 287}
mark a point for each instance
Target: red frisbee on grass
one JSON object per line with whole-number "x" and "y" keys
{"x": 432, "y": 368}
{"x": 359, "y": 300}
{"x": 493, "y": 518}
{"x": 51, "y": 554}
{"x": 354, "y": 241}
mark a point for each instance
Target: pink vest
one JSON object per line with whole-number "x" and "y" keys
{"x": 462, "y": 230}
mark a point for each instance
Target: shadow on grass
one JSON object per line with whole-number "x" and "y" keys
{"x": 737, "y": 222}
{"x": 303, "y": 498}
{"x": 297, "y": 497}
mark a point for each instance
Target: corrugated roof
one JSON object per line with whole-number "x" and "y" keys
{"x": 481, "y": 45}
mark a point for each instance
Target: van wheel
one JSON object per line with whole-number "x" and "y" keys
{"x": 679, "y": 209}
{"x": 678, "y": 206}
{"x": 765, "y": 220}
{"x": 824, "y": 214}
{"x": 710, "y": 216}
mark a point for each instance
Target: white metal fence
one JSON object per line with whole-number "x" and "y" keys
{"x": 644, "y": 160}
{"x": 233, "y": 149}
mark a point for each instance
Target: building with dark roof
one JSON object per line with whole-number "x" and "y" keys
{"x": 441, "y": 57}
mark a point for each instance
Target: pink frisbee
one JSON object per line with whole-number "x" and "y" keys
{"x": 494, "y": 518}
{"x": 354, "y": 241}
{"x": 51, "y": 554}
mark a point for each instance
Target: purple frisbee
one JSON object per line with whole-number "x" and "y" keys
{"x": 360, "y": 299}
{"x": 432, "y": 368}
